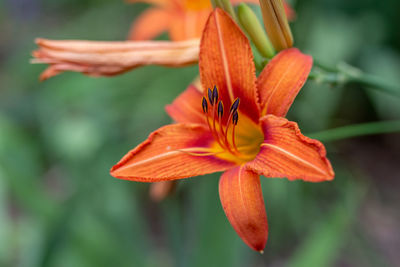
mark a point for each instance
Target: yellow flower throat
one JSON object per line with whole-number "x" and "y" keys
{"x": 234, "y": 140}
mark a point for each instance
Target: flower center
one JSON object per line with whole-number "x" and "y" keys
{"x": 235, "y": 140}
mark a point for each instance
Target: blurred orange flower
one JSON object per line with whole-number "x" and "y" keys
{"x": 237, "y": 127}
{"x": 97, "y": 58}
{"x": 182, "y": 19}
{"x": 185, "y": 20}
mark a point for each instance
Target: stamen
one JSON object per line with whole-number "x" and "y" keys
{"x": 232, "y": 110}
{"x": 220, "y": 131}
{"x": 220, "y": 109}
{"x": 222, "y": 134}
{"x": 235, "y": 105}
{"x": 210, "y": 97}
{"x": 213, "y": 118}
{"x": 204, "y": 105}
{"x": 214, "y": 128}
{"x": 215, "y": 135}
{"x": 235, "y": 118}
{"x": 215, "y": 94}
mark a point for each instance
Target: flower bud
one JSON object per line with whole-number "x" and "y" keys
{"x": 276, "y": 24}
{"x": 252, "y": 26}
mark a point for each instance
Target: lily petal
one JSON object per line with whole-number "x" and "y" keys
{"x": 150, "y": 24}
{"x": 226, "y": 61}
{"x": 281, "y": 80}
{"x": 285, "y": 152}
{"x": 97, "y": 58}
{"x": 242, "y": 200}
{"x": 186, "y": 108}
{"x": 172, "y": 152}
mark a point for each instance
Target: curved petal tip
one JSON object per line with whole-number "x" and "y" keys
{"x": 242, "y": 200}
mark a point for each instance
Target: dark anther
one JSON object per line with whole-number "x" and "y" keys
{"x": 220, "y": 109}
{"x": 204, "y": 105}
{"x": 215, "y": 94}
{"x": 235, "y": 118}
{"x": 235, "y": 105}
{"x": 210, "y": 97}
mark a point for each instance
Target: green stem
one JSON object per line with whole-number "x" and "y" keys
{"x": 356, "y": 130}
{"x": 323, "y": 66}
{"x": 345, "y": 74}
{"x": 375, "y": 82}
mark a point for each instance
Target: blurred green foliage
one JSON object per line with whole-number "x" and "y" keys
{"x": 58, "y": 139}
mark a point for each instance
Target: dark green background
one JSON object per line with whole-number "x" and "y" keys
{"x": 60, "y": 207}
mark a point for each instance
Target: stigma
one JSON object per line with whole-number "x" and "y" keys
{"x": 213, "y": 109}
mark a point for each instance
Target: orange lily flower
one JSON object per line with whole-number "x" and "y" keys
{"x": 96, "y": 58}
{"x": 183, "y": 19}
{"x": 237, "y": 127}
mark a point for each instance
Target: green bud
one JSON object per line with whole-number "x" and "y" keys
{"x": 276, "y": 24}
{"x": 252, "y": 26}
